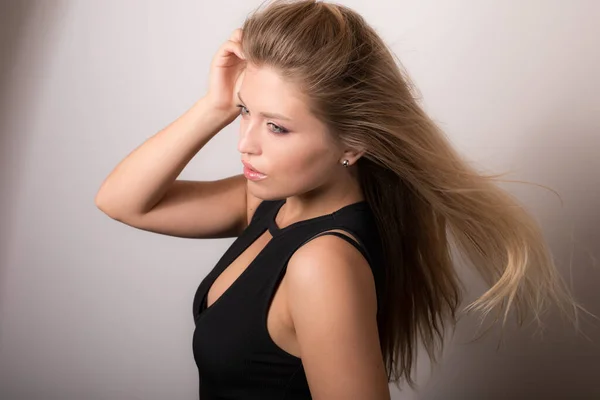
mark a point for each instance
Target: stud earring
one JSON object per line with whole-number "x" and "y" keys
{"x": 345, "y": 163}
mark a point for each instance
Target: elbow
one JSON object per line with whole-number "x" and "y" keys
{"x": 104, "y": 205}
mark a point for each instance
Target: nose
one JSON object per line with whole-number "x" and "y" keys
{"x": 249, "y": 138}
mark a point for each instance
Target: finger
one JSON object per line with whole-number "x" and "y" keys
{"x": 237, "y": 35}
{"x": 234, "y": 47}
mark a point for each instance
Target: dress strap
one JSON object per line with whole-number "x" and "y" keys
{"x": 263, "y": 208}
{"x": 347, "y": 238}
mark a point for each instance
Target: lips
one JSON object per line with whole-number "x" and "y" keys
{"x": 248, "y": 165}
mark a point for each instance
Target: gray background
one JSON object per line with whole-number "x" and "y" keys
{"x": 93, "y": 309}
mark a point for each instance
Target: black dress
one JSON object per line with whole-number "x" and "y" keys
{"x": 234, "y": 353}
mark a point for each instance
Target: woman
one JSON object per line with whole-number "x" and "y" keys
{"x": 344, "y": 216}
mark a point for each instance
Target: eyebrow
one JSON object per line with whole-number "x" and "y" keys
{"x": 268, "y": 115}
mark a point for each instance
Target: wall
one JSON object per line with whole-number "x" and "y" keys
{"x": 93, "y": 309}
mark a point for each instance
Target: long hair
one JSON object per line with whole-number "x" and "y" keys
{"x": 425, "y": 197}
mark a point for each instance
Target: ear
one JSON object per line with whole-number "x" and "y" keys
{"x": 352, "y": 155}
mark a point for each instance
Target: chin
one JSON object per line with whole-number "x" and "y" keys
{"x": 263, "y": 193}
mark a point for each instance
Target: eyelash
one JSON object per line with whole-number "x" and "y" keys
{"x": 282, "y": 130}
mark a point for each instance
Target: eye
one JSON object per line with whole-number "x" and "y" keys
{"x": 281, "y": 130}
{"x": 241, "y": 107}
{"x": 278, "y": 129}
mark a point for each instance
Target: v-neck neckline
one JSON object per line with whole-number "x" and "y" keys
{"x": 275, "y": 230}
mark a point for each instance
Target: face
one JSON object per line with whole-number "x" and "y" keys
{"x": 281, "y": 139}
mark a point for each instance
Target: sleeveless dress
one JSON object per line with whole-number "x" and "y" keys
{"x": 234, "y": 353}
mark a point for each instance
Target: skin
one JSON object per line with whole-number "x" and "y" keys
{"x": 303, "y": 165}
{"x": 328, "y": 289}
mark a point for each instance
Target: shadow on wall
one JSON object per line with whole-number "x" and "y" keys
{"x": 26, "y": 28}
{"x": 13, "y": 20}
{"x": 558, "y": 364}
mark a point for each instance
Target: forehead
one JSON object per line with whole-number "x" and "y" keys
{"x": 265, "y": 91}
{"x": 264, "y": 86}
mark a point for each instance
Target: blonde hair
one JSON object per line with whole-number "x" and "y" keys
{"x": 425, "y": 197}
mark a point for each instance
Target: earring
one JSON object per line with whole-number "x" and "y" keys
{"x": 345, "y": 163}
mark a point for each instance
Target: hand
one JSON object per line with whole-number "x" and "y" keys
{"x": 226, "y": 73}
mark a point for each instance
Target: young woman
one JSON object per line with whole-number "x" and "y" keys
{"x": 350, "y": 200}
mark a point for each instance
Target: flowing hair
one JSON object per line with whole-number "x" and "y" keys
{"x": 425, "y": 197}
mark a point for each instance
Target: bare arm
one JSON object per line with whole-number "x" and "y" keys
{"x": 142, "y": 190}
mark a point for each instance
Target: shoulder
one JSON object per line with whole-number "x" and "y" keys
{"x": 331, "y": 299}
{"x": 328, "y": 268}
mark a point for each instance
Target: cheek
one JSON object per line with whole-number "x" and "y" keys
{"x": 304, "y": 167}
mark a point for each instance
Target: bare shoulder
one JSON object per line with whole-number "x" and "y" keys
{"x": 330, "y": 264}
{"x": 331, "y": 299}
